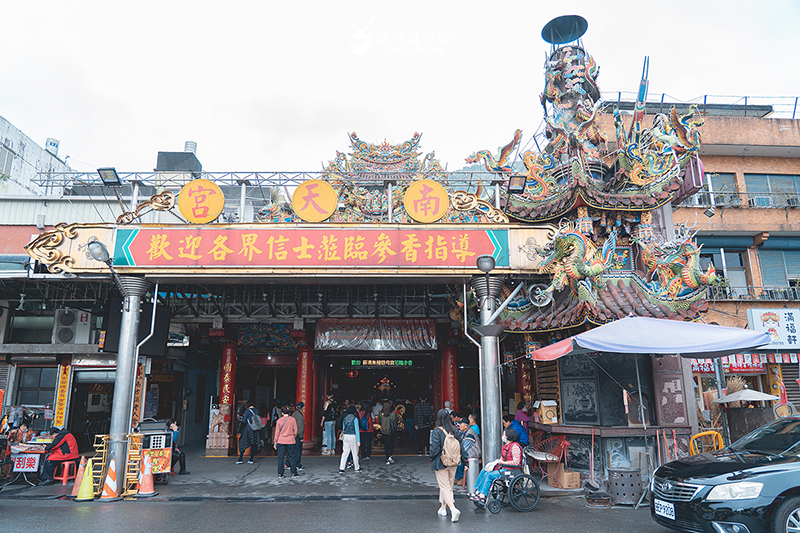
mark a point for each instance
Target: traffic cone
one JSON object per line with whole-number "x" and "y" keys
{"x": 110, "y": 488}
{"x": 86, "y": 491}
{"x": 76, "y": 487}
{"x": 146, "y": 480}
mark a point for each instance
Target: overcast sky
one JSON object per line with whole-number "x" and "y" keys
{"x": 266, "y": 86}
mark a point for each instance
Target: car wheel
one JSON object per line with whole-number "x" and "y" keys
{"x": 787, "y": 517}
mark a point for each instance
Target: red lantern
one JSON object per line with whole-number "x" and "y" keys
{"x": 352, "y": 373}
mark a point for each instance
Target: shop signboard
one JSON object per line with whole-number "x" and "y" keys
{"x": 308, "y": 247}
{"x": 779, "y": 323}
{"x": 26, "y": 462}
{"x": 734, "y": 364}
{"x": 62, "y": 395}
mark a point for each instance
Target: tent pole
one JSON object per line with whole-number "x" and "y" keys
{"x": 720, "y": 376}
{"x": 644, "y": 426}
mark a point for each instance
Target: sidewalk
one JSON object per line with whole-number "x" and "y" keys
{"x": 219, "y": 478}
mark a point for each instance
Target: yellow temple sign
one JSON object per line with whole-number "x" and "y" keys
{"x": 426, "y": 201}
{"x": 201, "y": 201}
{"x": 314, "y": 200}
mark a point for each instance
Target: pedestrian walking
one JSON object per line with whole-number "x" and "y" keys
{"x": 301, "y": 427}
{"x": 285, "y": 438}
{"x": 367, "y": 429}
{"x": 330, "y": 413}
{"x": 386, "y": 420}
{"x": 249, "y": 430}
{"x": 446, "y": 453}
{"x": 351, "y": 439}
{"x": 423, "y": 418}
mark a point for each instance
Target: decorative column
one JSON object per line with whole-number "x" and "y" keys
{"x": 133, "y": 290}
{"x": 220, "y": 441}
{"x": 305, "y": 386}
{"x": 450, "y": 377}
{"x": 314, "y": 413}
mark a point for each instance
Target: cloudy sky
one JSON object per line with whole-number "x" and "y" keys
{"x": 266, "y": 85}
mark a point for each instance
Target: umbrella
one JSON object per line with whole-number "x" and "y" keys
{"x": 635, "y": 334}
{"x": 746, "y": 395}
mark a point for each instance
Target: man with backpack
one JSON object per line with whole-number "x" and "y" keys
{"x": 350, "y": 437}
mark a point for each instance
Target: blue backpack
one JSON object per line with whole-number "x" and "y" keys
{"x": 364, "y": 422}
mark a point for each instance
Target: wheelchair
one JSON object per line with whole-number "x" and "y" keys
{"x": 513, "y": 488}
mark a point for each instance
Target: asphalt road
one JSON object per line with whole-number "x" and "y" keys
{"x": 552, "y": 515}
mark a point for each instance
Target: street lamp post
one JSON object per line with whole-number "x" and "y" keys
{"x": 487, "y": 289}
{"x": 133, "y": 290}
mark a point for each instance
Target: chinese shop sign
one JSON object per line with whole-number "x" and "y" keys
{"x": 779, "y": 324}
{"x": 742, "y": 363}
{"x": 26, "y": 462}
{"x": 308, "y": 247}
{"x": 62, "y": 395}
{"x": 426, "y": 201}
{"x": 201, "y": 201}
{"x": 314, "y": 201}
{"x": 381, "y": 362}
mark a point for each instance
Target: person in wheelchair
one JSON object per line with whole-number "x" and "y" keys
{"x": 510, "y": 458}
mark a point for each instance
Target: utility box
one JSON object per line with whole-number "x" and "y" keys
{"x": 562, "y": 479}
{"x": 548, "y": 411}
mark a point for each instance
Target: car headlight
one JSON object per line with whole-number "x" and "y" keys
{"x": 735, "y": 491}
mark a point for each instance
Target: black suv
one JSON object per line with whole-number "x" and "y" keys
{"x": 752, "y": 486}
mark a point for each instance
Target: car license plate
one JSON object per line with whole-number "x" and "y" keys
{"x": 665, "y": 509}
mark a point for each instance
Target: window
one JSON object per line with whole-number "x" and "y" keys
{"x": 719, "y": 189}
{"x": 36, "y": 386}
{"x": 773, "y": 190}
{"x": 6, "y": 158}
{"x": 732, "y": 269}
{"x": 779, "y": 268}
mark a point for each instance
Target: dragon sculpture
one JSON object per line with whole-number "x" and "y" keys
{"x": 673, "y": 268}
{"x": 575, "y": 263}
{"x": 499, "y": 164}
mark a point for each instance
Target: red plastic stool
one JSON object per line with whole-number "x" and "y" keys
{"x": 68, "y": 470}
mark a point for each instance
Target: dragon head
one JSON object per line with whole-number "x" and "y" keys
{"x": 474, "y": 158}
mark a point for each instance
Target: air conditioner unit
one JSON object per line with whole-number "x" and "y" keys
{"x": 72, "y": 327}
{"x": 5, "y": 314}
{"x": 793, "y": 202}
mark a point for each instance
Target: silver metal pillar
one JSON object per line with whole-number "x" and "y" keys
{"x": 487, "y": 289}
{"x": 134, "y": 290}
{"x": 491, "y": 408}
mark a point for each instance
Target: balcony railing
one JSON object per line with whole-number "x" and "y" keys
{"x": 754, "y": 293}
{"x": 742, "y": 199}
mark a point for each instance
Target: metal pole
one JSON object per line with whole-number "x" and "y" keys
{"x": 492, "y": 411}
{"x": 644, "y": 428}
{"x": 242, "y": 201}
{"x": 720, "y": 376}
{"x": 134, "y": 290}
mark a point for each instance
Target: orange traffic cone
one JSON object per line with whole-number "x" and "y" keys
{"x": 110, "y": 488}
{"x": 79, "y": 477}
{"x": 146, "y": 479}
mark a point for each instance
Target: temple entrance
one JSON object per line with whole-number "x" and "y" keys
{"x": 359, "y": 378}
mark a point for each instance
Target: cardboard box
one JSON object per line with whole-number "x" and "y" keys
{"x": 562, "y": 479}
{"x": 548, "y": 412}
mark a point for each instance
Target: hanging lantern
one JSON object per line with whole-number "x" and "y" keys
{"x": 352, "y": 373}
